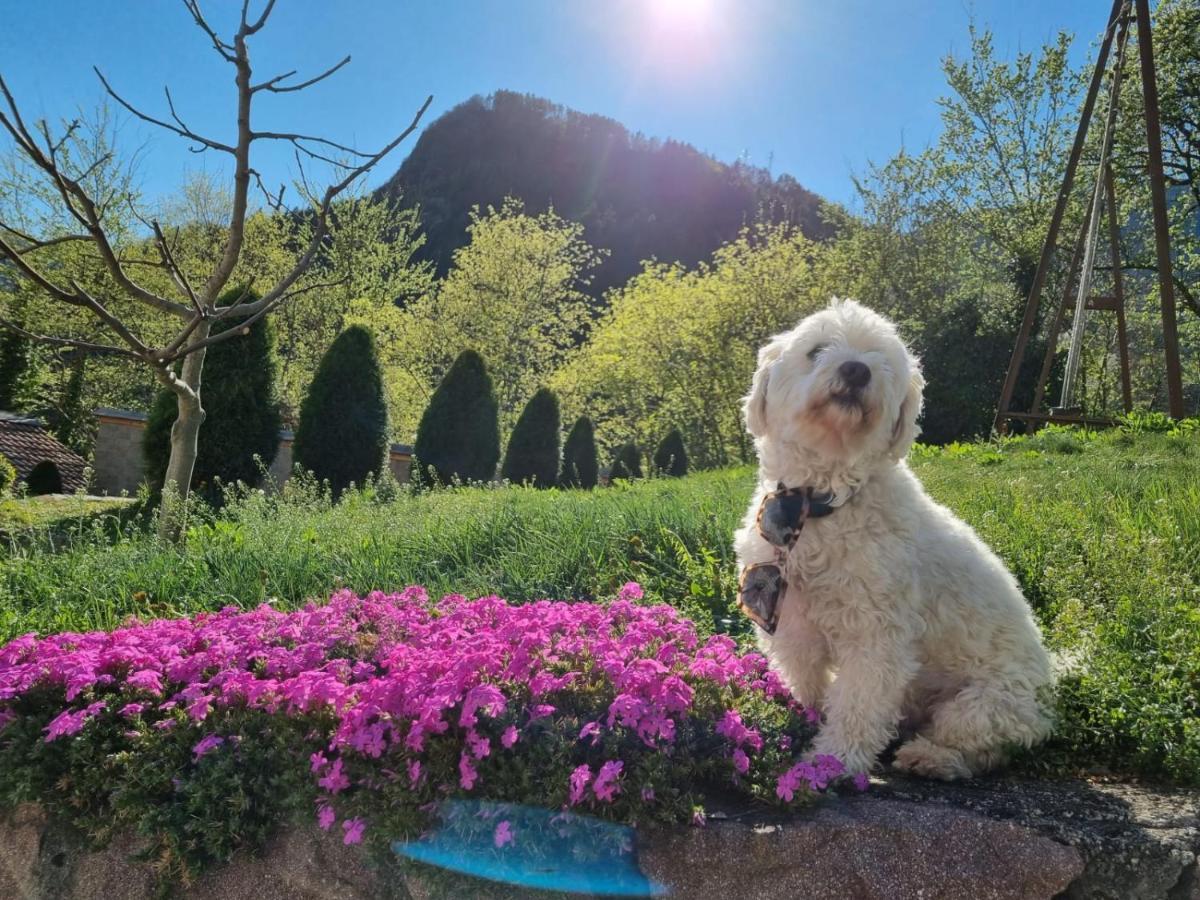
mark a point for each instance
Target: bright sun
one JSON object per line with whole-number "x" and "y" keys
{"x": 682, "y": 13}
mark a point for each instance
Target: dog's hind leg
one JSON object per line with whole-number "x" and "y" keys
{"x": 970, "y": 733}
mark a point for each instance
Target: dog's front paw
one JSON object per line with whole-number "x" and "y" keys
{"x": 854, "y": 759}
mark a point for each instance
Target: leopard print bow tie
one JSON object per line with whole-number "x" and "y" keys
{"x": 781, "y": 518}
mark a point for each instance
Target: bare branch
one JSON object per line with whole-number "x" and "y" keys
{"x": 177, "y": 273}
{"x": 274, "y": 201}
{"x": 295, "y": 138}
{"x": 34, "y": 244}
{"x": 179, "y": 129}
{"x": 69, "y": 342}
{"x": 274, "y": 87}
{"x": 243, "y": 327}
{"x": 226, "y": 50}
{"x": 321, "y": 223}
{"x": 248, "y": 30}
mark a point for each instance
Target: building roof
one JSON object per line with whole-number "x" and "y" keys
{"x": 25, "y": 443}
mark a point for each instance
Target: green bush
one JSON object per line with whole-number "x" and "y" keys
{"x": 579, "y": 466}
{"x": 342, "y": 437}
{"x": 241, "y": 413}
{"x": 8, "y": 475}
{"x": 670, "y": 458}
{"x": 533, "y": 455}
{"x": 626, "y": 464}
{"x": 459, "y": 435}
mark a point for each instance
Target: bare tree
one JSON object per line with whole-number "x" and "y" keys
{"x": 178, "y": 362}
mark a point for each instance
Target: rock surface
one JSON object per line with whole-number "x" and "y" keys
{"x": 994, "y": 838}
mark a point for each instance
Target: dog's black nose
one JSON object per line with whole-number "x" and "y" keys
{"x": 854, "y": 373}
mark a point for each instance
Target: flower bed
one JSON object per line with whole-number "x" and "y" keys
{"x": 206, "y": 733}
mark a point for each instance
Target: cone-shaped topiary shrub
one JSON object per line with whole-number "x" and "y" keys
{"x": 342, "y": 436}
{"x": 579, "y": 466}
{"x": 459, "y": 434}
{"x": 670, "y": 458}
{"x": 8, "y": 475}
{"x": 241, "y": 412}
{"x": 627, "y": 463}
{"x": 532, "y": 456}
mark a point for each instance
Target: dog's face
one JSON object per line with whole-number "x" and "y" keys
{"x": 841, "y": 385}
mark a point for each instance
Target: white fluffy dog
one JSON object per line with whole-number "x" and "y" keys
{"x": 897, "y": 618}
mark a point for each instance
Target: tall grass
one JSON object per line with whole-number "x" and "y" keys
{"x": 1103, "y": 531}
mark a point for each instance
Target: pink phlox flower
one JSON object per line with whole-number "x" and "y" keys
{"x": 732, "y": 727}
{"x": 630, "y": 590}
{"x": 509, "y": 737}
{"x": 199, "y": 708}
{"x": 354, "y": 829}
{"x": 486, "y": 697}
{"x": 206, "y": 745}
{"x": 787, "y": 784}
{"x": 466, "y": 772}
{"x": 580, "y": 779}
{"x": 478, "y": 745}
{"x": 540, "y": 711}
{"x": 862, "y": 781}
{"x": 592, "y": 730}
{"x": 825, "y": 768}
{"x": 335, "y": 780}
{"x": 129, "y": 710}
{"x": 741, "y": 762}
{"x": 503, "y": 834}
{"x": 325, "y": 816}
{"x": 317, "y": 762}
{"x": 605, "y": 787}
{"x": 71, "y": 722}
{"x": 146, "y": 680}
{"x": 414, "y": 772}
{"x": 647, "y": 795}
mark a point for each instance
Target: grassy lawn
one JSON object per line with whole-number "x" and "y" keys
{"x": 25, "y": 516}
{"x": 1102, "y": 530}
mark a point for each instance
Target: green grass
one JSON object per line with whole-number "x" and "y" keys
{"x": 1103, "y": 532}
{"x": 23, "y": 516}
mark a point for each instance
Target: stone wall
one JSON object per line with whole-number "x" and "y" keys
{"x": 990, "y": 839}
{"x": 118, "y": 454}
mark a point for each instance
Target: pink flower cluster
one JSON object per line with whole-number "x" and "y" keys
{"x": 391, "y": 672}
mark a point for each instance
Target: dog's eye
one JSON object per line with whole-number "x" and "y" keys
{"x": 817, "y": 351}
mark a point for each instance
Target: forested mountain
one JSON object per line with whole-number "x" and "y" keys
{"x": 636, "y": 197}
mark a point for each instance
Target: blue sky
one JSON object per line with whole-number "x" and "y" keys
{"x": 815, "y": 88}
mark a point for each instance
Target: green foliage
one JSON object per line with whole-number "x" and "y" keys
{"x": 670, "y": 458}
{"x": 533, "y": 452}
{"x": 8, "y": 475}
{"x": 14, "y": 361}
{"x": 515, "y": 295}
{"x": 240, "y": 434}
{"x": 626, "y": 464}
{"x": 76, "y": 425}
{"x": 342, "y": 436}
{"x": 459, "y": 437}
{"x": 677, "y": 348}
{"x": 580, "y": 468}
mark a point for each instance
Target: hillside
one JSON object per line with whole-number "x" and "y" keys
{"x": 637, "y": 197}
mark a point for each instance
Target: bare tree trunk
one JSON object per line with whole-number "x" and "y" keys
{"x": 185, "y": 437}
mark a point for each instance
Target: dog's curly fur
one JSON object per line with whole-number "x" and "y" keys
{"x": 897, "y": 618}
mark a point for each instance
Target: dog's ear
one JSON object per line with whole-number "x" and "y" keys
{"x": 906, "y": 429}
{"x": 754, "y": 404}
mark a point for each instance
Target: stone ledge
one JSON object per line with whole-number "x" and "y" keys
{"x": 982, "y": 840}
